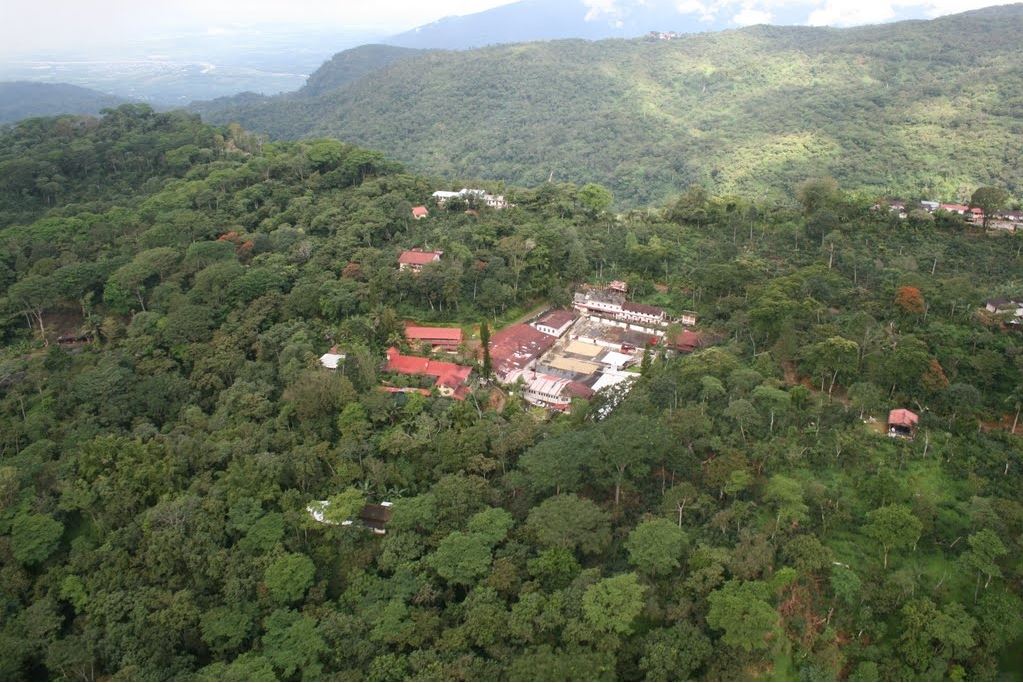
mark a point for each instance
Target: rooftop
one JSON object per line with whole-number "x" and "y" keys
{"x": 447, "y": 334}
{"x": 557, "y": 318}
{"x": 645, "y": 309}
{"x": 331, "y": 360}
{"x": 449, "y": 375}
{"x": 903, "y": 418}
{"x": 418, "y": 257}
{"x": 516, "y": 346}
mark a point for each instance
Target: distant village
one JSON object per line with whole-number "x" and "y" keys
{"x": 1003, "y": 220}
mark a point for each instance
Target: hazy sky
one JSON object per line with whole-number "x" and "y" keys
{"x": 47, "y": 24}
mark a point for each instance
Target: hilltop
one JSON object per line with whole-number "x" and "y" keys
{"x": 913, "y": 108}
{"x": 21, "y": 99}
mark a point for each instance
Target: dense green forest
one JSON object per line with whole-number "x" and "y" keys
{"x": 920, "y": 108}
{"x": 736, "y": 516}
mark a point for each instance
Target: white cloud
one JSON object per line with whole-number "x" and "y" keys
{"x": 599, "y": 9}
{"x": 937, "y": 8}
{"x": 707, "y": 10}
{"x": 749, "y": 17}
{"x": 850, "y": 13}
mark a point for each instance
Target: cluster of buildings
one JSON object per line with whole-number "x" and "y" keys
{"x": 612, "y": 302}
{"x": 1008, "y": 220}
{"x": 449, "y": 379}
{"x": 477, "y": 197}
{"x": 663, "y": 35}
{"x": 574, "y": 353}
{"x": 559, "y": 356}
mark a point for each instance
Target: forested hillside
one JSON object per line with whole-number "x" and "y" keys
{"x": 737, "y": 516}
{"x": 923, "y": 108}
{"x": 20, "y": 100}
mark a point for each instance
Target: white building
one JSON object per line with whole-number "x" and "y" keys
{"x": 549, "y": 391}
{"x": 555, "y": 323}
{"x": 482, "y": 196}
{"x": 332, "y": 360}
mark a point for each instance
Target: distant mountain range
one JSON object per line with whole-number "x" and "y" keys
{"x": 531, "y": 20}
{"x": 914, "y": 108}
{"x": 20, "y": 100}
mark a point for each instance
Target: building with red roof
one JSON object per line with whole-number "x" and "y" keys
{"x": 419, "y": 212}
{"x": 451, "y": 379}
{"x": 516, "y": 349}
{"x": 685, "y": 341}
{"x": 439, "y": 338}
{"x": 415, "y": 259}
{"x": 902, "y": 423}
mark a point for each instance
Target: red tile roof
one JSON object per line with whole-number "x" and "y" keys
{"x": 449, "y": 375}
{"x": 420, "y": 211}
{"x": 903, "y": 418}
{"x": 955, "y": 208}
{"x": 686, "y": 340}
{"x": 447, "y": 335}
{"x": 415, "y": 257}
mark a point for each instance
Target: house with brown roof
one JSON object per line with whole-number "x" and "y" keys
{"x": 420, "y": 212}
{"x": 685, "y": 341}
{"x": 415, "y": 259}
{"x": 643, "y": 314}
{"x": 555, "y": 322}
{"x": 516, "y": 349}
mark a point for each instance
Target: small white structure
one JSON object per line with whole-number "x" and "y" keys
{"x": 332, "y": 360}
{"x": 372, "y": 517}
{"x": 482, "y": 196}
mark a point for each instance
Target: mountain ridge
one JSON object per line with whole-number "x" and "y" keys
{"x": 901, "y": 108}
{"x": 25, "y": 99}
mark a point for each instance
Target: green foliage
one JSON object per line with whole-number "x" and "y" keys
{"x": 288, "y": 577}
{"x": 154, "y": 481}
{"x": 656, "y": 546}
{"x": 752, "y": 112}
{"x": 569, "y": 522}
{"x": 34, "y": 538}
{"x": 613, "y": 604}
{"x": 462, "y": 558}
{"x": 741, "y": 610}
